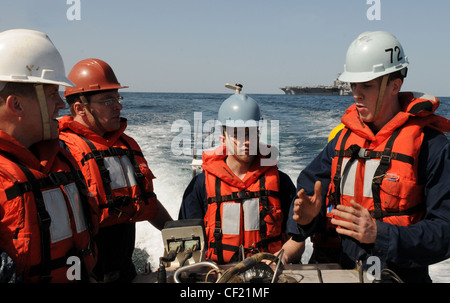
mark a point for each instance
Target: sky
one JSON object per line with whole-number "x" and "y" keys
{"x": 199, "y": 45}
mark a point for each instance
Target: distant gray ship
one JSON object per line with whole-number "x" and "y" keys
{"x": 338, "y": 88}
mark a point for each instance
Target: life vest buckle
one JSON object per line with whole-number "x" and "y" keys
{"x": 377, "y": 214}
{"x": 385, "y": 159}
{"x": 336, "y": 178}
{"x": 139, "y": 175}
{"x": 253, "y": 249}
{"x": 112, "y": 152}
{"x": 44, "y": 219}
{"x": 218, "y": 233}
{"x": 97, "y": 155}
{"x": 27, "y": 186}
{"x": 240, "y": 195}
{"x": 332, "y": 197}
{"x": 58, "y": 178}
{"x": 116, "y": 152}
{"x": 364, "y": 153}
{"x": 354, "y": 150}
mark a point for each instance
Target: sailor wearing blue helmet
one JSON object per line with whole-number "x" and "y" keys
{"x": 241, "y": 200}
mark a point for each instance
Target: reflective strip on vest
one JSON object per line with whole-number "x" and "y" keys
{"x": 231, "y": 219}
{"x": 56, "y": 207}
{"x": 349, "y": 181}
{"x": 121, "y": 172}
{"x": 77, "y": 206}
{"x": 251, "y": 214}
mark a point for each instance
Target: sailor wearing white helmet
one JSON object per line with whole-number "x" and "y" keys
{"x": 46, "y": 216}
{"x": 381, "y": 185}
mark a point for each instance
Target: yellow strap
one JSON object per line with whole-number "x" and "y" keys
{"x": 46, "y": 127}
{"x": 381, "y": 95}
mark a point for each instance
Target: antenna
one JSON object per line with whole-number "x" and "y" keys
{"x": 237, "y": 87}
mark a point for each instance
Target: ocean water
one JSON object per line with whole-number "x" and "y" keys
{"x": 167, "y": 124}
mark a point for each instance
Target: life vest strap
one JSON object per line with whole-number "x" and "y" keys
{"x": 365, "y": 153}
{"x": 334, "y": 197}
{"x": 406, "y": 212}
{"x": 44, "y": 219}
{"x": 62, "y": 262}
{"x": 140, "y": 178}
{"x": 110, "y": 152}
{"x": 242, "y": 195}
{"x": 53, "y": 180}
{"x": 355, "y": 152}
{"x": 263, "y": 196}
{"x": 218, "y": 249}
{"x": 35, "y": 185}
{"x": 380, "y": 172}
{"x": 99, "y": 155}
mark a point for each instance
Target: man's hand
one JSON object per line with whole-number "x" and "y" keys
{"x": 293, "y": 251}
{"x": 362, "y": 227}
{"x": 306, "y": 208}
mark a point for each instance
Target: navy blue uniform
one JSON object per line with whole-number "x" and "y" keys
{"x": 407, "y": 250}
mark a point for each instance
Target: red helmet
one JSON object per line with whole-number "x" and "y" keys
{"x": 91, "y": 75}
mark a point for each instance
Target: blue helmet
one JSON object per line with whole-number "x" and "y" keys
{"x": 239, "y": 111}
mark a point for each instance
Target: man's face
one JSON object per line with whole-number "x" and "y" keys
{"x": 242, "y": 142}
{"x": 106, "y": 108}
{"x": 34, "y": 116}
{"x": 366, "y": 97}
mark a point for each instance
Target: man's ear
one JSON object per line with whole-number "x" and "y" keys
{"x": 396, "y": 86}
{"x": 15, "y": 105}
{"x": 79, "y": 109}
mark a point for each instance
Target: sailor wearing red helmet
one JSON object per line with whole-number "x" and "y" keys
{"x": 113, "y": 164}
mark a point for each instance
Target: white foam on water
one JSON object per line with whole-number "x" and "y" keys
{"x": 171, "y": 180}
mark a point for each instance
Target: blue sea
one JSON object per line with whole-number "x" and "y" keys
{"x": 168, "y": 126}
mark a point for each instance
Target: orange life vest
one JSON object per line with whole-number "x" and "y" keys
{"x": 241, "y": 212}
{"x": 115, "y": 170}
{"x": 380, "y": 171}
{"x": 46, "y": 215}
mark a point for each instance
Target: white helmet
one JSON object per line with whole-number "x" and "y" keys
{"x": 29, "y": 56}
{"x": 372, "y": 55}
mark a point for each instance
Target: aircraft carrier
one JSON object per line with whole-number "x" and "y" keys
{"x": 338, "y": 88}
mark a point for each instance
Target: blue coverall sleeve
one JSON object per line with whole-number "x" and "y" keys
{"x": 287, "y": 193}
{"x": 194, "y": 202}
{"x": 427, "y": 241}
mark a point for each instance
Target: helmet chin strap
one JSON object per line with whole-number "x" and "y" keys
{"x": 229, "y": 143}
{"x": 46, "y": 127}
{"x": 381, "y": 95}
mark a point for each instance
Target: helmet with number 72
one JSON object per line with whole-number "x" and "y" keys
{"x": 372, "y": 55}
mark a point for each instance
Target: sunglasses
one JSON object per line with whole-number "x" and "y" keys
{"x": 110, "y": 101}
